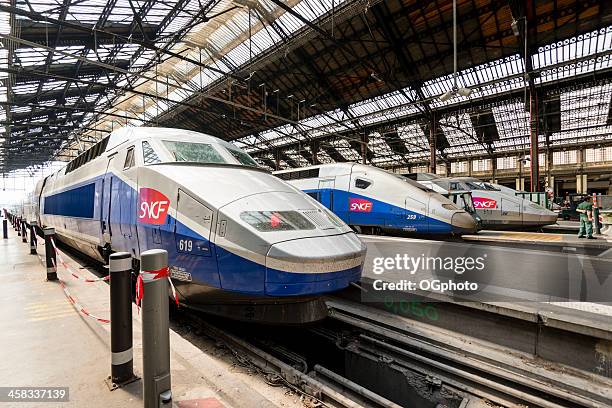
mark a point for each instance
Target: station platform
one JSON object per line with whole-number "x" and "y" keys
{"x": 560, "y": 242}
{"x": 563, "y": 227}
{"x": 537, "y": 237}
{"x": 46, "y": 342}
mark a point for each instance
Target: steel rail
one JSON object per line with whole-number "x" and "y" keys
{"x": 380, "y": 329}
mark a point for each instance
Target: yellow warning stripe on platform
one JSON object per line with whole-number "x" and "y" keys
{"x": 530, "y": 236}
{"x": 51, "y": 310}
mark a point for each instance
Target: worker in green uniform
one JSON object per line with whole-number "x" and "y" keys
{"x": 585, "y": 209}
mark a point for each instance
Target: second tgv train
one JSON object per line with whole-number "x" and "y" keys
{"x": 241, "y": 242}
{"x": 372, "y": 200}
{"x": 498, "y": 208}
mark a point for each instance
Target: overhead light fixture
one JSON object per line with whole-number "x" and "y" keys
{"x": 515, "y": 28}
{"x": 447, "y": 95}
{"x": 456, "y": 90}
{"x": 464, "y": 91}
{"x": 375, "y": 77}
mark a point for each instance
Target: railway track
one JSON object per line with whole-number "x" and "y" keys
{"x": 358, "y": 358}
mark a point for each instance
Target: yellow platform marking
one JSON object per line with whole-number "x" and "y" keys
{"x": 55, "y": 309}
{"x": 529, "y": 236}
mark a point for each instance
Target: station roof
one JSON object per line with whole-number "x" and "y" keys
{"x": 283, "y": 77}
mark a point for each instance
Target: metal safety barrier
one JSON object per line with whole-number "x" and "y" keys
{"x": 24, "y": 234}
{"x": 33, "y": 240}
{"x": 122, "y": 357}
{"x": 152, "y": 288}
{"x": 50, "y": 259}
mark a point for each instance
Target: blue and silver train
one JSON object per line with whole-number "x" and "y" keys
{"x": 372, "y": 200}
{"x": 498, "y": 207}
{"x": 241, "y": 242}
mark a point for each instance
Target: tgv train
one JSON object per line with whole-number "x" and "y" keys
{"x": 373, "y": 200}
{"x": 497, "y": 208}
{"x": 241, "y": 243}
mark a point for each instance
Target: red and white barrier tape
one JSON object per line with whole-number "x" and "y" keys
{"x": 71, "y": 299}
{"x": 153, "y": 275}
{"x": 72, "y": 271}
{"x": 75, "y": 303}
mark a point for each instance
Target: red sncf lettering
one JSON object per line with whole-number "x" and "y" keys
{"x": 152, "y": 206}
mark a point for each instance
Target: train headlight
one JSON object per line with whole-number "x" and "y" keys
{"x": 451, "y": 207}
{"x": 266, "y": 221}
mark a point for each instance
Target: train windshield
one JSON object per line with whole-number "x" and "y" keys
{"x": 480, "y": 185}
{"x": 412, "y": 182}
{"x": 193, "y": 152}
{"x": 468, "y": 203}
{"x": 243, "y": 157}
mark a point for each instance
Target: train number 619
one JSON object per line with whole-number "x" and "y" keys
{"x": 185, "y": 245}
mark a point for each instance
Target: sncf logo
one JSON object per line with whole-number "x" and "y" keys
{"x": 484, "y": 203}
{"x": 152, "y": 206}
{"x": 360, "y": 205}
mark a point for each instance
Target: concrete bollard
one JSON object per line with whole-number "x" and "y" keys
{"x": 155, "y": 329}
{"x": 122, "y": 360}
{"x": 50, "y": 259}
{"x": 24, "y": 234}
{"x": 33, "y": 238}
{"x": 5, "y": 228}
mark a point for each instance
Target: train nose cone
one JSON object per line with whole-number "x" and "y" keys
{"x": 463, "y": 223}
{"x": 314, "y": 265}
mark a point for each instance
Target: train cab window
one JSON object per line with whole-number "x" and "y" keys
{"x": 129, "y": 159}
{"x": 243, "y": 157}
{"x": 148, "y": 154}
{"x": 193, "y": 152}
{"x": 363, "y": 184}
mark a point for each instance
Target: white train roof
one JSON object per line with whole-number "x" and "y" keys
{"x": 127, "y": 134}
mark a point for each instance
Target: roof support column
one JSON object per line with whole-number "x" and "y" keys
{"x": 533, "y": 136}
{"x": 364, "y": 149}
{"x": 314, "y": 148}
{"x": 277, "y": 160}
{"x": 432, "y": 144}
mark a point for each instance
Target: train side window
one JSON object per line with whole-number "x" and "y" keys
{"x": 148, "y": 154}
{"x": 361, "y": 183}
{"x": 129, "y": 159}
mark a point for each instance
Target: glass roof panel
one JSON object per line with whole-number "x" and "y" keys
{"x": 460, "y": 134}
{"x": 343, "y": 147}
{"x": 414, "y": 139}
{"x": 512, "y": 123}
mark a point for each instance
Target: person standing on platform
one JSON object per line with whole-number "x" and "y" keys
{"x": 585, "y": 209}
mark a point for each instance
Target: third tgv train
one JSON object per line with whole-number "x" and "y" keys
{"x": 241, "y": 242}
{"x": 498, "y": 207}
{"x": 372, "y": 200}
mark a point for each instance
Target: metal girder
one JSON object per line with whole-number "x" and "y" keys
{"x": 40, "y": 31}
{"x": 104, "y": 33}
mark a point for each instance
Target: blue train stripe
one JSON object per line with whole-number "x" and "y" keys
{"x": 78, "y": 202}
